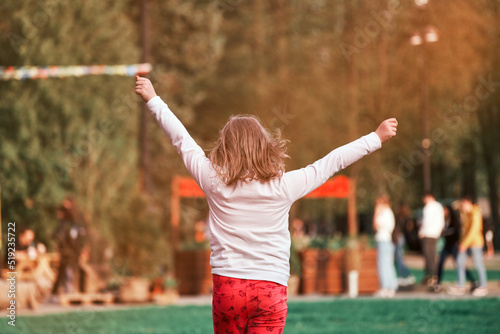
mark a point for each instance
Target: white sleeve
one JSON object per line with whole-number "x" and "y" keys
{"x": 191, "y": 153}
{"x": 302, "y": 181}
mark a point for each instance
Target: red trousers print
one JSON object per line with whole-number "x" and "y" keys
{"x": 248, "y": 306}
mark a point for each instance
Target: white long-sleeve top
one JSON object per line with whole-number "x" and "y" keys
{"x": 432, "y": 220}
{"x": 384, "y": 222}
{"x": 248, "y": 221}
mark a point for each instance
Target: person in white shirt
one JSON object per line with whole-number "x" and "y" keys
{"x": 249, "y": 196}
{"x": 384, "y": 223}
{"x": 429, "y": 233}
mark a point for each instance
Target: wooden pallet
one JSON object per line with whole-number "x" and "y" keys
{"x": 85, "y": 298}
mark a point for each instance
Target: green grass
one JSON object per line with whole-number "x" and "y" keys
{"x": 334, "y": 316}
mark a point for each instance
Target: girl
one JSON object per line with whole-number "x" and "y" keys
{"x": 249, "y": 196}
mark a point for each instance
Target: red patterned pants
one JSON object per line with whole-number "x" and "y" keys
{"x": 248, "y": 306}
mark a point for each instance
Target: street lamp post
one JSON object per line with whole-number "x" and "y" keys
{"x": 428, "y": 35}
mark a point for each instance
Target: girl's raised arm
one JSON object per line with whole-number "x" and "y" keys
{"x": 193, "y": 156}
{"x": 302, "y": 181}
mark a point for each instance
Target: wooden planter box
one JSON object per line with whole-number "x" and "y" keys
{"x": 322, "y": 271}
{"x": 368, "y": 275}
{"x": 309, "y": 263}
{"x": 193, "y": 272}
{"x": 134, "y": 290}
{"x": 330, "y": 276}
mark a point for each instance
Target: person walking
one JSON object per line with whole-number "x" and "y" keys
{"x": 429, "y": 233}
{"x": 398, "y": 238}
{"x": 451, "y": 233}
{"x": 384, "y": 223}
{"x": 71, "y": 238}
{"x": 471, "y": 241}
{"x": 249, "y": 197}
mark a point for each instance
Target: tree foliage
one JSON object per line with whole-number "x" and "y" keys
{"x": 322, "y": 72}
{"x": 65, "y": 135}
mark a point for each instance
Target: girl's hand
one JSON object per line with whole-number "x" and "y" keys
{"x": 387, "y": 129}
{"x": 144, "y": 88}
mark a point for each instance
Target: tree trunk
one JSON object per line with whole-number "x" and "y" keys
{"x": 259, "y": 36}
{"x": 468, "y": 187}
{"x": 489, "y": 121}
{"x": 352, "y": 103}
{"x": 492, "y": 174}
{"x": 282, "y": 19}
{"x": 144, "y": 158}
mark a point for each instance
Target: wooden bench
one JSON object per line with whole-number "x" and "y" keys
{"x": 67, "y": 299}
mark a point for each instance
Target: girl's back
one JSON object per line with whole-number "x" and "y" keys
{"x": 248, "y": 224}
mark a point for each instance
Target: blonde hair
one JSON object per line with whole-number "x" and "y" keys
{"x": 247, "y": 151}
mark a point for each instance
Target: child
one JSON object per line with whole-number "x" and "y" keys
{"x": 249, "y": 196}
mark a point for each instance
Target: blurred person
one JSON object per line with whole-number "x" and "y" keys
{"x": 399, "y": 240}
{"x": 384, "y": 223}
{"x": 297, "y": 228}
{"x": 311, "y": 229}
{"x": 411, "y": 235}
{"x": 488, "y": 228}
{"x": 299, "y": 237}
{"x": 429, "y": 233}
{"x": 490, "y": 250}
{"x": 24, "y": 245}
{"x": 451, "y": 233}
{"x": 471, "y": 241}
{"x": 28, "y": 248}
{"x": 249, "y": 196}
{"x": 200, "y": 228}
{"x": 70, "y": 237}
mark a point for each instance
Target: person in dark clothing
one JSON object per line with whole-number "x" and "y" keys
{"x": 398, "y": 238}
{"x": 71, "y": 238}
{"x": 451, "y": 233}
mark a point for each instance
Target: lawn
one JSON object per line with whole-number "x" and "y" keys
{"x": 334, "y": 316}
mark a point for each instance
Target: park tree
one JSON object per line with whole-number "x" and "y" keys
{"x": 66, "y": 135}
{"x": 186, "y": 46}
{"x": 79, "y": 135}
{"x": 348, "y": 65}
{"x": 488, "y": 115}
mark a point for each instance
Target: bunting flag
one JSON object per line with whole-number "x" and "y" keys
{"x": 43, "y": 72}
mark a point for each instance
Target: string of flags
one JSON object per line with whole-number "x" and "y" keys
{"x": 43, "y": 72}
